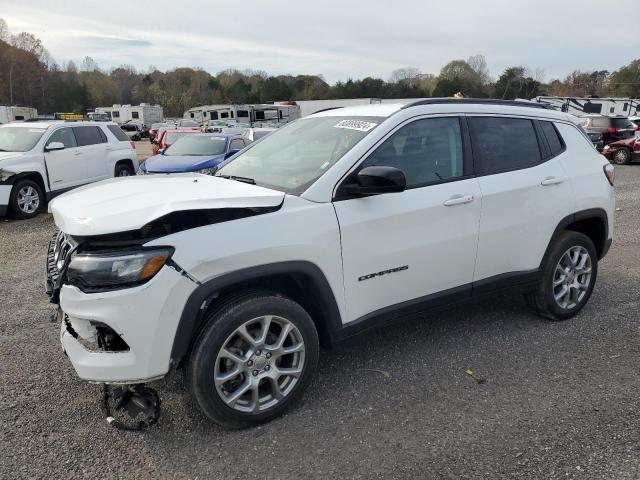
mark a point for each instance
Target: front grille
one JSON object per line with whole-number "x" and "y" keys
{"x": 60, "y": 248}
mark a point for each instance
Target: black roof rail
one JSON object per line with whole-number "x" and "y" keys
{"x": 326, "y": 109}
{"x": 476, "y": 101}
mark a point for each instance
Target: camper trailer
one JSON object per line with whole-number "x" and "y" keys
{"x": 588, "y": 106}
{"x": 254, "y": 114}
{"x": 13, "y": 114}
{"x": 143, "y": 113}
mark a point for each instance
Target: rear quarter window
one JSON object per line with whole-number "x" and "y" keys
{"x": 118, "y": 133}
{"x": 553, "y": 138}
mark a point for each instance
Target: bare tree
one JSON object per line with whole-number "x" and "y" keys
{"x": 479, "y": 65}
{"x": 405, "y": 75}
{"x": 5, "y": 35}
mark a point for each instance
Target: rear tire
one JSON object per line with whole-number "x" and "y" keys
{"x": 123, "y": 170}
{"x": 253, "y": 359}
{"x": 622, "y": 156}
{"x": 26, "y": 199}
{"x": 568, "y": 278}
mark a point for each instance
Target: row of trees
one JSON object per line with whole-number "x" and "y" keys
{"x": 30, "y": 77}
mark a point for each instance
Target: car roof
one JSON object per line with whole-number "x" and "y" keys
{"x": 450, "y": 105}
{"x": 217, "y": 134}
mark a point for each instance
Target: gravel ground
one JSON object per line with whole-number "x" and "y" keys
{"x": 549, "y": 400}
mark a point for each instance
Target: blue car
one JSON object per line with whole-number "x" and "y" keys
{"x": 197, "y": 152}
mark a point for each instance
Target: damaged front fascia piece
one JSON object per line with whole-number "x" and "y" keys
{"x": 169, "y": 224}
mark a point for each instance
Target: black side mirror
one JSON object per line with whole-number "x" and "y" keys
{"x": 376, "y": 180}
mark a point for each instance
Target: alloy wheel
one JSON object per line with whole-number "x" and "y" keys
{"x": 28, "y": 200}
{"x": 572, "y": 277}
{"x": 621, "y": 157}
{"x": 259, "y": 364}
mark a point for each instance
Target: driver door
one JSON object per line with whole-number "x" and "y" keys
{"x": 67, "y": 168}
{"x": 422, "y": 242}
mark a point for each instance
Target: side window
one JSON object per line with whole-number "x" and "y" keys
{"x": 236, "y": 144}
{"x": 64, "y": 136}
{"x": 118, "y": 133}
{"x": 135, "y": 115}
{"x": 427, "y": 151}
{"x": 115, "y": 114}
{"x": 503, "y": 144}
{"x": 87, "y": 136}
{"x": 553, "y": 138}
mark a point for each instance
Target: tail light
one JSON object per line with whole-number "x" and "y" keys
{"x": 612, "y": 130}
{"x": 610, "y": 173}
{"x": 133, "y": 144}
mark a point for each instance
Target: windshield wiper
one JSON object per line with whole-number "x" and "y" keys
{"x": 239, "y": 179}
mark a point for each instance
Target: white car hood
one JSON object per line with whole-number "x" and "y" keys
{"x": 122, "y": 204}
{"x": 9, "y": 155}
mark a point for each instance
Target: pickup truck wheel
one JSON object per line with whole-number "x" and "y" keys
{"x": 568, "y": 278}
{"x": 26, "y": 199}
{"x": 123, "y": 170}
{"x": 622, "y": 156}
{"x": 253, "y": 359}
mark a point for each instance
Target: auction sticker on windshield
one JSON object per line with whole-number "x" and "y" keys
{"x": 356, "y": 125}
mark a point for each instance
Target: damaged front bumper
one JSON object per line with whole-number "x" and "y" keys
{"x": 123, "y": 336}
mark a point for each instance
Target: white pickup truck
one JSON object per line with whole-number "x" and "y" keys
{"x": 39, "y": 160}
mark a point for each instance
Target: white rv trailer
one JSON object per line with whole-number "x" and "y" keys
{"x": 16, "y": 114}
{"x": 253, "y": 114}
{"x": 585, "y": 106}
{"x": 307, "y": 107}
{"x": 144, "y": 113}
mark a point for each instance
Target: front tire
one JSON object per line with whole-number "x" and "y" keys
{"x": 622, "y": 156}
{"x": 568, "y": 278}
{"x": 26, "y": 199}
{"x": 253, "y": 360}
{"x": 123, "y": 170}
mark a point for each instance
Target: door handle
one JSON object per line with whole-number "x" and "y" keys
{"x": 551, "y": 181}
{"x": 458, "y": 200}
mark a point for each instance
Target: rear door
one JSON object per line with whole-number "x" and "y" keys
{"x": 66, "y": 168}
{"x": 92, "y": 142}
{"x": 525, "y": 193}
{"x": 399, "y": 247}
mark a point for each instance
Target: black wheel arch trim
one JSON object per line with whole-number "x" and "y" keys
{"x": 193, "y": 312}
{"x": 591, "y": 213}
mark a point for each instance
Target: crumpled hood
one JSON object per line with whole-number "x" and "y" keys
{"x": 180, "y": 163}
{"x": 9, "y": 155}
{"x": 128, "y": 203}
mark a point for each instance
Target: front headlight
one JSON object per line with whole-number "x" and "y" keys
{"x": 6, "y": 175}
{"x": 208, "y": 171}
{"x": 107, "y": 271}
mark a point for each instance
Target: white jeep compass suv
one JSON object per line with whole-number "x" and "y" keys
{"x": 333, "y": 224}
{"x": 39, "y": 160}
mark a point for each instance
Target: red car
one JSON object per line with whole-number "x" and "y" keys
{"x": 623, "y": 152}
{"x": 167, "y": 137}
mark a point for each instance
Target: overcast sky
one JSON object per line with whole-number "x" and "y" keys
{"x": 339, "y": 39}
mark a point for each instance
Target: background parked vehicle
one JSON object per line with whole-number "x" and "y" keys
{"x": 611, "y": 128}
{"x": 596, "y": 139}
{"x": 624, "y": 152}
{"x": 168, "y": 136}
{"x": 201, "y": 152}
{"x": 153, "y": 131}
{"x": 254, "y": 134}
{"x": 133, "y": 130}
{"x": 39, "y": 160}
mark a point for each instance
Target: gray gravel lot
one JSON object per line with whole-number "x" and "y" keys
{"x": 559, "y": 400}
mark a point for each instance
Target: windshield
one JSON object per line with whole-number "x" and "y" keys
{"x": 19, "y": 139}
{"x": 171, "y": 137}
{"x": 197, "y": 145}
{"x": 295, "y": 156}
